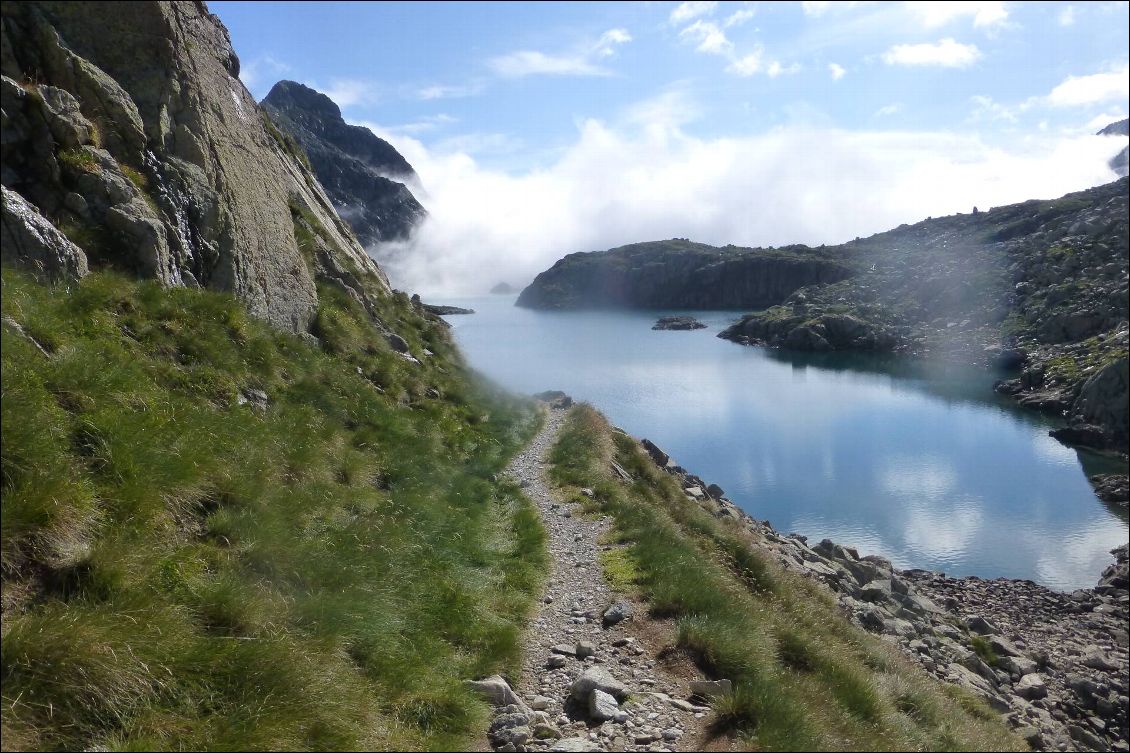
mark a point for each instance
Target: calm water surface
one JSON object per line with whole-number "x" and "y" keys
{"x": 920, "y": 464}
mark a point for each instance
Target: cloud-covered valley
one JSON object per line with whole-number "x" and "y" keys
{"x": 646, "y": 179}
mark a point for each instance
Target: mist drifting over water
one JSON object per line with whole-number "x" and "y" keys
{"x": 648, "y": 179}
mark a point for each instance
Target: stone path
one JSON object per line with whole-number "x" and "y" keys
{"x": 589, "y": 684}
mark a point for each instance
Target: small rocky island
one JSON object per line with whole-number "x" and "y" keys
{"x": 502, "y": 288}
{"x": 678, "y": 323}
{"x": 681, "y": 274}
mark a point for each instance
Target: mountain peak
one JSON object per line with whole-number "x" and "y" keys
{"x": 286, "y": 95}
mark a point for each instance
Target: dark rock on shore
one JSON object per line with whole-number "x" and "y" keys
{"x": 555, "y": 399}
{"x": 363, "y": 174}
{"x": 1112, "y": 487}
{"x": 678, "y": 323}
{"x": 680, "y": 274}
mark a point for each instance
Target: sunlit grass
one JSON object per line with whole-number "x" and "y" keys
{"x": 183, "y": 570}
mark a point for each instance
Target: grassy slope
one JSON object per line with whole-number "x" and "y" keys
{"x": 182, "y": 571}
{"x": 805, "y": 678}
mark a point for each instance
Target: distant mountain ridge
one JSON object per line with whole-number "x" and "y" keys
{"x": 1120, "y": 162}
{"x": 357, "y": 168}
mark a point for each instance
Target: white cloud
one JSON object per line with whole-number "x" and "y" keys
{"x": 945, "y": 53}
{"x": 425, "y": 124}
{"x": 836, "y": 70}
{"x": 941, "y": 12}
{"x": 1093, "y": 89}
{"x": 748, "y": 65}
{"x": 690, "y": 10}
{"x": 738, "y": 17}
{"x": 1100, "y": 122}
{"x": 260, "y": 74}
{"x": 887, "y": 110}
{"x": 985, "y": 108}
{"x": 346, "y": 92}
{"x": 708, "y": 38}
{"x": 606, "y": 45}
{"x": 1067, "y": 16}
{"x": 776, "y": 69}
{"x": 818, "y": 8}
{"x": 576, "y": 63}
{"x": 443, "y": 91}
{"x": 644, "y": 177}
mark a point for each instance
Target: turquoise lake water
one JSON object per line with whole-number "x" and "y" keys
{"x": 922, "y": 464}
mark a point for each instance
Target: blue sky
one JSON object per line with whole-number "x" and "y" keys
{"x": 542, "y": 104}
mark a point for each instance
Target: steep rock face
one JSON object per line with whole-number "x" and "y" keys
{"x": 356, "y": 167}
{"x": 679, "y": 274}
{"x": 1040, "y": 285}
{"x": 130, "y": 131}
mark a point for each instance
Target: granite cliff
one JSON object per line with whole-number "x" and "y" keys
{"x": 132, "y": 135}
{"x": 362, "y": 174}
{"x": 678, "y": 273}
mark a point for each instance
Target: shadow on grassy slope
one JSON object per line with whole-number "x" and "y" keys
{"x": 181, "y": 570}
{"x": 804, "y": 677}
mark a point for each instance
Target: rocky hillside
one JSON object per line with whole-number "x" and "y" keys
{"x": 359, "y": 171}
{"x": 1039, "y": 286}
{"x": 251, "y": 496}
{"x": 678, "y": 273}
{"x": 132, "y": 135}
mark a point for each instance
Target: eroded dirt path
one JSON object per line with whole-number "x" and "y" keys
{"x": 569, "y": 637}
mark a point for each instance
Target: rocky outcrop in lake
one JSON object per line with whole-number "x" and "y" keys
{"x": 127, "y": 129}
{"x": 1039, "y": 287}
{"x": 678, "y": 323}
{"x": 363, "y": 174}
{"x": 680, "y": 274}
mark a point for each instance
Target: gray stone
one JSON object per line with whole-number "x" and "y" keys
{"x": 1003, "y": 647}
{"x": 602, "y": 706}
{"x": 1018, "y": 665}
{"x": 710, "y": 688}
{"x": 1094, "y": 658}
{"x": 30, "y": 241}
{"x": 585, "y": 649}
{"x": 398, "y": 343}
{"x": 979, "y": 624}
{"x": 596, "y": 678}
{"x": 876, "y": 591}
{"x": 1032, "y": 687}
{"x": 574, "y": 745}
{"x": 616, "y": 613}
{"x": 496, "y": 691}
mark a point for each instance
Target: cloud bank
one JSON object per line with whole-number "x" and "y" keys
{"x": 636, "y": 181}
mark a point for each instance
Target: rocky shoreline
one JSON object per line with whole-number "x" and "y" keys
{"x": 1053, "y": 664}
